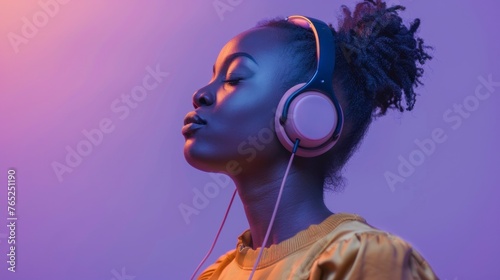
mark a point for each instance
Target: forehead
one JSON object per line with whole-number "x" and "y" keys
{"x": 262, "y": 43}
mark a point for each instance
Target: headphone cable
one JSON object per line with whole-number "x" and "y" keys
{"x": 216, "y": 237}
{"x": 275, "y": 208}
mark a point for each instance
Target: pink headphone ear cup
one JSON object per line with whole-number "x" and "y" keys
{"x": 312, "y": 117}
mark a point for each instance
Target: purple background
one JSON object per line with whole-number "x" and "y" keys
{"x": 117, "y": 212}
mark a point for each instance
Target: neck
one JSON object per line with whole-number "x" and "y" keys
{"x": 301, "y": 203}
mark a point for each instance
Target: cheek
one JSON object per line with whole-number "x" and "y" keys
{"x": 255, "y": 100}
{"x": 239, "y": 127}
{"x": 251, "y": 137}
{"x": 246, "y": 112}
{"x": 249, "y": 113}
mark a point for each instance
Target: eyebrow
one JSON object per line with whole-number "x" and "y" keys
{"x": 232, "y": 57}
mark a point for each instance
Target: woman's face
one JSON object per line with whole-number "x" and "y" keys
{"x": 238, "y": 106}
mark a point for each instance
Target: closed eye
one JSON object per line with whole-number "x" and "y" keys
{"x": 232, "y": 82}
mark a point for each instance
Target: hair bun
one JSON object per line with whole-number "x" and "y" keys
{"x": 384, "y": 55}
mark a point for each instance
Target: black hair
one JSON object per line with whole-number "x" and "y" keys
{"x": 378, "y": 65}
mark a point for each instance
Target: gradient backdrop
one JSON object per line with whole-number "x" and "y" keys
{"x": 113, "y": 213}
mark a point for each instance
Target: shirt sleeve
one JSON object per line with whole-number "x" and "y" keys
{"x": 371, "y": 255}
{"x": 218, "y": 264}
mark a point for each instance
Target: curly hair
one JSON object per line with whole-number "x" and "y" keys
{"x": 378, "y": 64}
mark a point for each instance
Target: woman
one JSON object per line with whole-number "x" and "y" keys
{"x": 235, "y": 126}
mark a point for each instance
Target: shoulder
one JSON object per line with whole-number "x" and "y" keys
{"x": 357, "y": 250}
{"x": 220, "y": 263}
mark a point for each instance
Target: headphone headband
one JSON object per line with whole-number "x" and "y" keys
{"x": 322, "y": 78}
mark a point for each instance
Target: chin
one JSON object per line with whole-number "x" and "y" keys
{"x": 201, "y": 158}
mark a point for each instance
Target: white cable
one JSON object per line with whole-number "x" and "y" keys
{"x": 216, "y": 237}
{"x": 275, "y": 209}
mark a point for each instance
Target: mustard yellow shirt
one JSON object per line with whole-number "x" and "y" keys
{"x": 343, "y": 246}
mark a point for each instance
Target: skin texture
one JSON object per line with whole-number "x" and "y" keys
{"x": 235, "y": 115}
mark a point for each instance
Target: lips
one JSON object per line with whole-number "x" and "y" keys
{"x": 192, "y": 117}
{"x": 192, "y": 122}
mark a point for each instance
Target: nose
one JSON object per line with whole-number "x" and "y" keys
{"x": 202, "y": 98}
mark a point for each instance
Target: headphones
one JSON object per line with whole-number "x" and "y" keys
{"x": 310, "y": 112}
